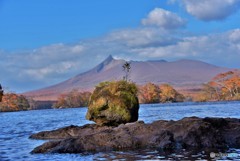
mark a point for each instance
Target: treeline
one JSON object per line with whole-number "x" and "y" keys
{"x": 74, "y": 98}
{"x": 13, "y": 102}
{"x": 152, "y": 93}
{"x": 223, "y": 87}
{"x": 149, "y": 93}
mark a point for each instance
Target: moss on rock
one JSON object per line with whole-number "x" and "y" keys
{"x": 113, "y": 103}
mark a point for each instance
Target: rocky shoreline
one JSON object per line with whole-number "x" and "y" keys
{"x": 190, "y": 132}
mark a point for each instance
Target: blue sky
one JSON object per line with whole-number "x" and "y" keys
{"x": 27, "y": 24}
{"x": 47, "y": 41}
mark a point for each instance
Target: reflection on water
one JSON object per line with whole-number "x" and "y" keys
{"x": 151, "y": 154}
{"x": 16, "y": 127}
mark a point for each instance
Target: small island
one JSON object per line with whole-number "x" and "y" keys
{"x": 117, "y": 127}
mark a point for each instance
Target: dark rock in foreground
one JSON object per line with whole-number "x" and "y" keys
{"x": 189, "y": 132}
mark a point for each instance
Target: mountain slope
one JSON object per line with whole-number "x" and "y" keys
{"x": 181, "y": 74}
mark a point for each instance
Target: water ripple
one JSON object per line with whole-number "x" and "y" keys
{"x": 16, "y": 127}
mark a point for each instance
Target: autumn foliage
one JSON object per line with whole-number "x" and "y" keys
{"x": 13, "y": 102}
{"x": 149, "y": 93}
{"x": 224, "y": 86}
{"x": 73, "y": 99}
{"x": 152, "y": 93}
{"x": 169, "y": 94}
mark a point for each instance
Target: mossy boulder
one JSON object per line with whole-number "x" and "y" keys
{"x": 113, "y": 103}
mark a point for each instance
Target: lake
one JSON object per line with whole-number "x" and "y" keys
{"x": 16, "y": 127}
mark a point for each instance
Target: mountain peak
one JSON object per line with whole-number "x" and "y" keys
{"x": 108, "y": 59}
{"x": 102, "y": 65}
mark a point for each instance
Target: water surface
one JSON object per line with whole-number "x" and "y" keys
{"x": 16, "y": 127}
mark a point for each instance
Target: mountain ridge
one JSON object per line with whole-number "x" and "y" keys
{"x": 184, "y": 73}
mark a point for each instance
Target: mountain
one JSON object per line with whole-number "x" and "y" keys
{"x": 182, "y": 74}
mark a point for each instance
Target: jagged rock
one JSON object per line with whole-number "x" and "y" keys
{"x": 189, "y": 132}
{"x": 113, "y": 103}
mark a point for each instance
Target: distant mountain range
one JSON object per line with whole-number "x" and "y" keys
{"x": 182, "y": 74}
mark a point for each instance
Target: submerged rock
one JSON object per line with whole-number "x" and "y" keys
{"x": 113, "y": 103}
{"x": 189, "y": 132}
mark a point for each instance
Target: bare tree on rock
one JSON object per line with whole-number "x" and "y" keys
{"x": 126, "y": 68}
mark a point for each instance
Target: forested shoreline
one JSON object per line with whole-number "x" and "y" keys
{"x": 223, "y": 87}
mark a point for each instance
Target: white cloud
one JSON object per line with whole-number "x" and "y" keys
{"x": 144, "y": 37}
{"x": 48, "y": 71}
{"x": 164, "y": 19}
{"x": 221, "y": 49}
{"x": 209, "y": 10}
{"x": 43, "y": 66}
{"x": 234, "y": 36}
{"x": 77, "y": 48}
